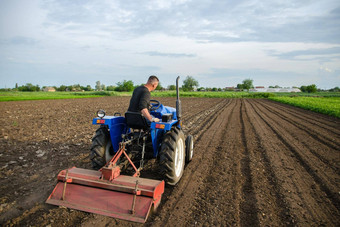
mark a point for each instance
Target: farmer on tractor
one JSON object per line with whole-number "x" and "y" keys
{"x": 126, "y": 141}
{"x": 140, "y": 100}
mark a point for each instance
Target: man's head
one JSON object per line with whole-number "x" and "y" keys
{"x": 152, "y": 83}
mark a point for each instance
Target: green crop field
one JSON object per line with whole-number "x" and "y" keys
{"x": 325, "y": 105}
{"x": 20, "y": 96}
{"x": 318, "y": 94}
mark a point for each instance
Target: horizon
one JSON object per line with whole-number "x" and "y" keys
{"x": 166, "y": 87}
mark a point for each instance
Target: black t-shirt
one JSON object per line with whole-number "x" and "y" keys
{"x": 140, "y": 99}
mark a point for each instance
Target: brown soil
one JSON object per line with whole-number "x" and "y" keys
{"x": 256, "y": 163}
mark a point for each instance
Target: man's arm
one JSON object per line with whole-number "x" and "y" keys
{"x": 147, "y": 115}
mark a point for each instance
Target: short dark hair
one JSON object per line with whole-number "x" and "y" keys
{"x": 152, "y": 79}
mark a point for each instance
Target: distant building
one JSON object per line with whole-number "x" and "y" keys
{"x": 49, "y": 89}
{"x": 264, "y": 89}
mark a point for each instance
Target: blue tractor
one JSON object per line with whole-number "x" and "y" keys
{"x": 163, "y": 140}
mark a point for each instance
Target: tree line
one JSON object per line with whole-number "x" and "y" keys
{"x": 189, "y": 84}
{"x": 124, "y": 86}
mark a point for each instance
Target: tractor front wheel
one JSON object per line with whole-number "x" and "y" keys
{"x": 101, "y": 149}
{"x": 172, "y": 156}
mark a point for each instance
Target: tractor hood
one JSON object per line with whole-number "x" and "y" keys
{"x": 164, "y": 110}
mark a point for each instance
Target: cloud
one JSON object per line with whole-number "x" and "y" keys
{"x": 203, "y": 21}
{"x": 324, "y": 68}
{"x": 171, "y": 55}
{"x": 20, "y": 40}
{"x": 324, "y": 54}
{"x": 262, "y": 77}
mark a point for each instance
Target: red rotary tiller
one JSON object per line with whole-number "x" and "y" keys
{"x": 125, "y": 197}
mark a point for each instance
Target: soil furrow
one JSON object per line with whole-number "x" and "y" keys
{"x": 181, "y": 206}
{"x": 294, "y": 144}
{"x": 326, "y": 122}
{"x": 248, "y": 206}
{"x": 189, "y": 114}
{"x": 278, "y": 210}
{"x": 321, "y": 136}
{"x": 293, "y": 150}
{"x": 220, "y": 183}
{"x": 325, "y": 152}
{"x": 203, "y": 119}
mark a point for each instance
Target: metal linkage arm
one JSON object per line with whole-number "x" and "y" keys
{"x": 111, "y": 171}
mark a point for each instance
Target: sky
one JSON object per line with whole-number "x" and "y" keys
{"x": 217, "y": 42}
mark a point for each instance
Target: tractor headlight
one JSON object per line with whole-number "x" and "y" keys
{"x": 101, "y": 113}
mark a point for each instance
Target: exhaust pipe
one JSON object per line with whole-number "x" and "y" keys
{"x": 178, "y": 102}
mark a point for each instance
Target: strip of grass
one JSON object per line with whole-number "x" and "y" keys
{"x": 21, "y": 96}
{"x": 325, "y": 105}
{"x": 16, "y": 96}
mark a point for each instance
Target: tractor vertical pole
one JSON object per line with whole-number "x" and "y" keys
{"x": 64, "y": 189}
{"x": 178, "y": 102}
{"x": 132, "y": 211}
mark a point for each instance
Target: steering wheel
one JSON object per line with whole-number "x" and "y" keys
{"x": 155, "y": 104}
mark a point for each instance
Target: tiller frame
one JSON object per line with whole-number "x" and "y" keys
{"x": 106, "y": 192}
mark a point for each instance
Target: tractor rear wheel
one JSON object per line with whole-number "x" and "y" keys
{"x": 172, "y": 156}
{"x": 101, "y": 149}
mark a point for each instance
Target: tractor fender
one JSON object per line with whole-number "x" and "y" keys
{"x": 117, "y": 127}
{"x": 158, "y": 129}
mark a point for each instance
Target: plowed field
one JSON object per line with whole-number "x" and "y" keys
{"x": 256, "y": 163}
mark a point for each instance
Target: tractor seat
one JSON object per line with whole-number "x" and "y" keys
{"x": 136, "y": 120}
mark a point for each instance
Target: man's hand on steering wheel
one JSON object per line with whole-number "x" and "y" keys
{"x": 155, "y": 119}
